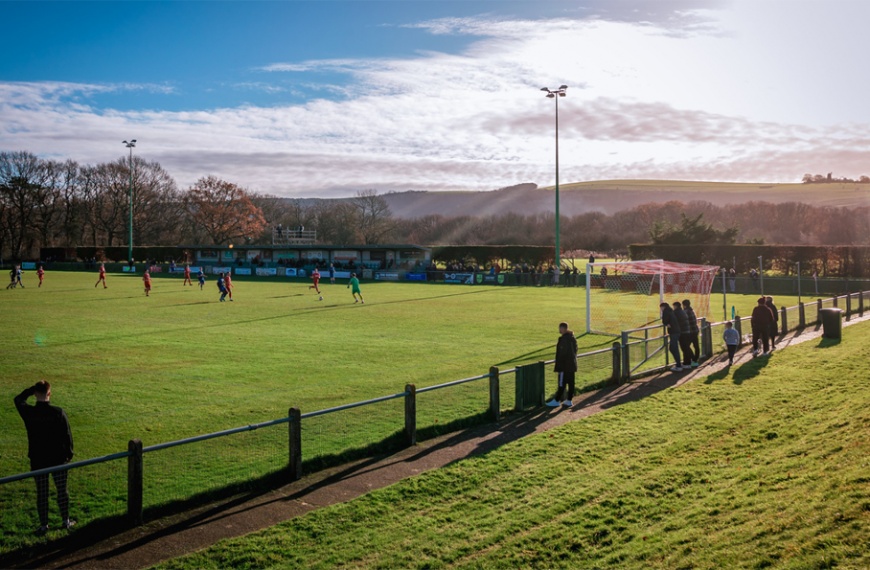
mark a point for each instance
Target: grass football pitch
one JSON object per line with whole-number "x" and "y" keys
{"x": 179, "y": 364}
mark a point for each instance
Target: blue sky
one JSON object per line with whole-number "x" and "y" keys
{"x": 325, "y": 98}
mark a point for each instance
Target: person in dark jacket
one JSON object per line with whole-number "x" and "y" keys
{"x": 774, "y": 326}
{"x": 695, "y": 333}
{"x": 566, "y": 367}
{"x": 50, "y": 443}
{"x": 685, "y": 334}
{"x": 761, "y": 319}
{"x": 672, "y": 326}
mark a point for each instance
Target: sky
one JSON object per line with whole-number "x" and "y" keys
{"x": 326, "y": 98}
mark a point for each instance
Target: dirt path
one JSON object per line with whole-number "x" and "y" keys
{"x": 171, "y": 537}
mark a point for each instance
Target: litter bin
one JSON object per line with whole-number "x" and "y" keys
{"x": 832, "y": 323}
{"x": 529, "y": 386}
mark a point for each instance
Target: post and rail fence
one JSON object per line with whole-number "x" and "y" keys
{"x": 637, "y": 353}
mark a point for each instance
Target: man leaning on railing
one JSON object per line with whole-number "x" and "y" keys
{"x": 50, "y": 443}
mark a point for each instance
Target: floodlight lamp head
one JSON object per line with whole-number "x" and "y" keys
{"x": 547, "y": 89}
{"x": 562, "y": 93}
{"x": 551, "y": 95}
{"x": 563, "y": 87}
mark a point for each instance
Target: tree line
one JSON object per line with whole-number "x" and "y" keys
{"x": 49, "y": 203}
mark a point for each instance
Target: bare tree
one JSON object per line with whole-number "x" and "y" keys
{"x": 376, "y": 222}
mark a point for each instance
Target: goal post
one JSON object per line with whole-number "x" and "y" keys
{"x": 623, "y": 295}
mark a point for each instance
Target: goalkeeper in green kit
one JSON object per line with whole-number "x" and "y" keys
{"x": 354, "y": 284}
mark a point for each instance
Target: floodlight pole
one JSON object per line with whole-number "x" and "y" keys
{"x": 799, "y": 281}
{"x": 556, "y": 94}
{"x": 724, "y": 295}
{"x": 130, "y": 146}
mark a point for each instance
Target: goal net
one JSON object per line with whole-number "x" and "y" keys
{"x": 624, "y": 295}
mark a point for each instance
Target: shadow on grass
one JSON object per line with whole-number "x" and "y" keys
{"x": 751, "y": 369}
{"x": 534, "y": 356}
{"x": 320, "y": 308}
{"x": 210, "y": 504}
{"x": 470, "y": 436}
{"x": 826, "y": 342}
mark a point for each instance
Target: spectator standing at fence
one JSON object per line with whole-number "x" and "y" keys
{"x": 49, "y": 443}
{"x": 694, "y": 331}
{"x": 774, "y": 326}
{"x": 102, "y": 276}
{"x": 672, "y": 325}
{"x": 146, "y": 280}
{"x": 753, "y": 275}
{"x": 761, "y": 319}
{"x": 685, "y": 334}
{"x": 187, "y": 276}
{"x": 732, "y": 340}
{"x": 732, "y": 279}
{"x": 353, "y": 284}
{"x": 566, "y": 367}
{"x": 816, "y": 280}
{"x": 332, "y": 273}
{"x": 221, "y": 285}
{"x": 40, "y": 273}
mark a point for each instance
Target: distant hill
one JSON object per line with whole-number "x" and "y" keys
{"x": 610, "y": 196}
{"x": 614, "y": 195}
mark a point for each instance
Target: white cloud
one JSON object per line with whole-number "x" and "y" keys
{"x": 702, "y": 95}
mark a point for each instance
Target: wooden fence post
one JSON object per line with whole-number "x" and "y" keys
{"x": 802, "y": 315}
{"x": 410, "y": 414}
{"x": 738, "y": 324}
{"x": 861, "y": 303}
{"x": 848, "y": 306}
{"x": 818, "y": 311}
{"x": 783, "y": 318}
{"x": 294, "y": 429}
{"x": 617, "y": 362}
{"x": 626, "y": 357}
{"x": 706, "y": 339}
{"x": 494, "y": 394}
{"x": 134, "y": 482}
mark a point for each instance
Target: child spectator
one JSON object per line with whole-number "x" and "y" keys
{"x": 732, "y": 339}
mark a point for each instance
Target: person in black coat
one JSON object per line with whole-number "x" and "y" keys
{"x": 761, "y": 320}
{"x": 49, "y": 441}
{"x": 566, "y": 367}
{"x": 685, "y": 334}
{"x": 695, "y": 332}
{"x": 672, "y": 326}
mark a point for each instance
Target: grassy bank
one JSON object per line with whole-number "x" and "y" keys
{"x": 763, "y": 465}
